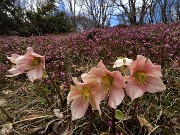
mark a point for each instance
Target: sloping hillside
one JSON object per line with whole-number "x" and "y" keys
{"x": 73, "y": 54}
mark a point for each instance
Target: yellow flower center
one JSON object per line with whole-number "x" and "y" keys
{"x": 107, "y": 82}
{"x": 85, "y": 92}
{"x": 35, "y": 62}
{"x": 141, "y": 77}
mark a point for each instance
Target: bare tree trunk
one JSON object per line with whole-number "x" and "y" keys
{"x": 163, "y": 6}
{"x": 135, "y": 13}
{"x": 99, "y": 11}
{"x": 178, "y": 10}
{"x": 72, "y": 8}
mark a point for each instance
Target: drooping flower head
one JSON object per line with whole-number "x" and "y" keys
{"x": 31, "y": 62}
{"x": 82, "y": 95}
{"x": 112, "y": 82}
{"x": 145, "y": 77}
{"x": 123, "y": 65}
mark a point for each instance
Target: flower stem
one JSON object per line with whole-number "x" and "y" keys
{"x": 57, "y": 89}
{"x": 45, "y": 96}
{"x": 113, "y": 122}
{"x": 10, "y": 119}
{"x": 91, "y": 115}
{"x": 133, "y": 114}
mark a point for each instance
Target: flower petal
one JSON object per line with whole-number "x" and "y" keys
{"x": 24, "y": 63}
{"x": 42, "y": 62}
{"x": 116, "y": 92}
{"x": 30, "y": 49}
{"x": 118, "y": 79}
{"x": 97, "y": 95}
{"x": 31, "y": 52}
{"x": 95, "y": 103}
{"x": 155, "y": 85}
{"x": 118, "y": 63}
{"x": 76, "y": 82}
{"x": 74, "y": 93}
{"x": 35, "y": 73}
{"x": 102, "y": 67}
{"x": 133, "y": 90}
{"x": 96, "y": 71}
{"x": 88, "y": 77}
{"x": 138, "y": 64}
{"x": 116, "y": 96}
{"x": 152, "y": 70}
{"x": 140, "y": 57}
{"x": 15, "y": 71}
{"x": 128, "y": 61}
{"x": 13, "y": 58}
{"x": 78, "y": 108}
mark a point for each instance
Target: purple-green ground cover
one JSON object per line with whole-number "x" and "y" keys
{"x": 75, "y": 53}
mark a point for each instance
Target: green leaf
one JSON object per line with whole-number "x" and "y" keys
{"x": 45, "y": 75}
{"x": 119, "y": 57}
{"x": 119, "y": 115}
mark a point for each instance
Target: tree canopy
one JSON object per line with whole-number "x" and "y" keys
{"x": 14, "y": 20}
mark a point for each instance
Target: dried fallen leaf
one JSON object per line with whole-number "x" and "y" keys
{"x": 6, "y": 92}
{"x": 58, "y": 113}
{"x": 6, "y": 129}
{"x": 3, "y": 116}
{"x": 2, "y": 102}
{"x": 144, "y": 122}
{"x": 30, "y": 116}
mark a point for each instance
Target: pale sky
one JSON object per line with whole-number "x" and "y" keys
{"x": 33, "y": 4}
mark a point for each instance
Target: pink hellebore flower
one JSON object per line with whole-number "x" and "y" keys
{"x": 31, "y": 62}
{"x": 145, "y": 77}
{"x": 82, "y": 94}
{"x": 112, "y": 82}
{"x": 123, "y": 65}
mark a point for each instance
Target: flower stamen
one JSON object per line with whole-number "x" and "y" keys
{"x": 35, "y": 62}
{"x": 85, "y": 92}
{"x": 107, "y": 82}
{"x": 141, "y": 77}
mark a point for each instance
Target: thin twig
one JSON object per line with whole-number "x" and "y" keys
{"x": 156, "y": 128}
{"x": 31, "y": 119}
{"x": 10, "y": 119}
{"x": 123, "y": 130}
